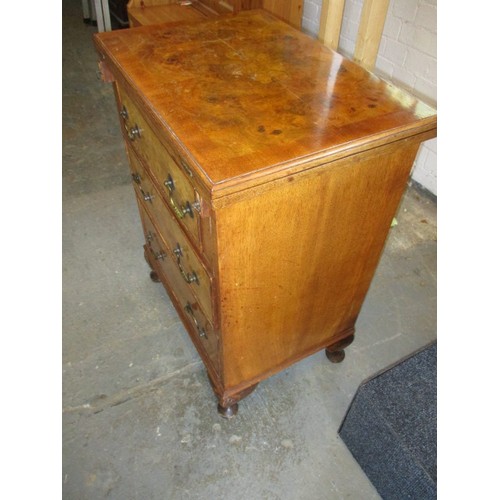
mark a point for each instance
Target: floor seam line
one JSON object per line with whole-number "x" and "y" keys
{"x": 125, "y": 395}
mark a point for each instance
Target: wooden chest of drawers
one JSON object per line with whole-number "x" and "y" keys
{"x": 267, "y": 170}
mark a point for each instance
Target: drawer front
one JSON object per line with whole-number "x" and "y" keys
{"x": 188, "y": 265}
{"x": 202, "y": 331}
{"x": 177, "y": 189}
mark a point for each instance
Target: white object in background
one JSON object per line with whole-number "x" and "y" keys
{"x": 102, "y": 15}
{"x": 86, "y": 10}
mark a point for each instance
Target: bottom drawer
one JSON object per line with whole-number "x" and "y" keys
{"x": 201, "y": 330}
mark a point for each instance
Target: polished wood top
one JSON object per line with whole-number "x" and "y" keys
{"x": 247, "y": 96}
{"x": 158, "y": 14}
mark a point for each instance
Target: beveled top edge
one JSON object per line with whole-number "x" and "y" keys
{"x": 247, "y": 96}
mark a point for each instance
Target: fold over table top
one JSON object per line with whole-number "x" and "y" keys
{"x": 248, "y": 96}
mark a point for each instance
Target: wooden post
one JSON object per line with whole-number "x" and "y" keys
{"x": 370, "y": 31}
{"x": 331, "y": 22}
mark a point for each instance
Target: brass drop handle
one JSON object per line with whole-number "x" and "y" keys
{"x": 134, "y": 132}
{"x": 201, "y": 331}
{"x": 146, "y": 196}
{"x": 180, "y": 211}
{"x": 188, "y": 277}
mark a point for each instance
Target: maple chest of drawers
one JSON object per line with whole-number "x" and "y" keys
{"x": 267, "y": 170}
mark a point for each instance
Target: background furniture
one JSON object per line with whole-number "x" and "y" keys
{"x": 97, "y": 10}
{"x": 145, "y": 12}
{"x": 267, "y": 170}
{"x": 118, "y": 11}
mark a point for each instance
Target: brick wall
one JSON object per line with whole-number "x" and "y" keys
{"x": 407, "y": 57}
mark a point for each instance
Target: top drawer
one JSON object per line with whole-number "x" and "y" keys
{"x": 180, "y": 194}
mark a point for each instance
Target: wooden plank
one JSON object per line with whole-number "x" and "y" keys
{"x": 289, "y": 11}
{"x": 331, "y": 22}
{"x": 149, "y": 3}
{"x": 158, "y": 14}
{"x": 370, "y": 32}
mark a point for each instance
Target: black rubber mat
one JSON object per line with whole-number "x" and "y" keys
{"x": 390, "y": 428}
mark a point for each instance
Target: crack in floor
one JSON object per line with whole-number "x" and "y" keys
{"x": 104, "y": 402}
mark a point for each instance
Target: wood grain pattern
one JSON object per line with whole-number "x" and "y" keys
{"x": 371, "y": 27}
{"x": 311, "y": 247}
{"x": 298, "y": 158}
{"x": 166, "y": 11}
{"x": 287, "y": 10}
{"x": 331, "y": 22}
{"x": 149, "y": 3}
{"x": 158, "y": 14}
{"x": 249, "y": 95}
{"x": 175, "y": 244}
{"x": 164, "y": 168}
{"x": 201, "y": 331}
{"x": 171, "y": 11}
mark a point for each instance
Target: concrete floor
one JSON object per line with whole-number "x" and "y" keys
{"x": 139, "y": 416}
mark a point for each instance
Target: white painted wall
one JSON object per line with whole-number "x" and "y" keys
{"x": 407, "y": 57}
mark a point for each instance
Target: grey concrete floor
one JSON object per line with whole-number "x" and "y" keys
{"x": 139, "y": 416}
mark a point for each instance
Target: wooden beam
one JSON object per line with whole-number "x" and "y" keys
{"x": 149, "y": 3}
{"x": 331, "y": 22}
{"x": 370, "y": 32}
{"x": 288, "y": 10}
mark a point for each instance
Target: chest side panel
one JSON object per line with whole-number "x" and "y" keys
{"x": 295, "y": 262}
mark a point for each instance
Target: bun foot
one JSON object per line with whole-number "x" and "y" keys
{"x": 228, "y": 404}
{"x": 335, "y": 356}
{"x": 228, "y": 412}
{"x": 335, "y": 352}
{"x": 154, "y": 276}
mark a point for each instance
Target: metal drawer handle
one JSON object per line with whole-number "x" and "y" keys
{"x": 146, "y": 196}
{"x": 180, "y": 211}
{"x": 188, "y": 277}
{"x": 169, "y": 183}
{"x": 134, "y": 132}
{"x": 136, "y": 178}
{"x": 124, "y": 113}
{"x": 159, "y": 255}
{"x": 150, "y": 236}
{"x": 201, "y": 331}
